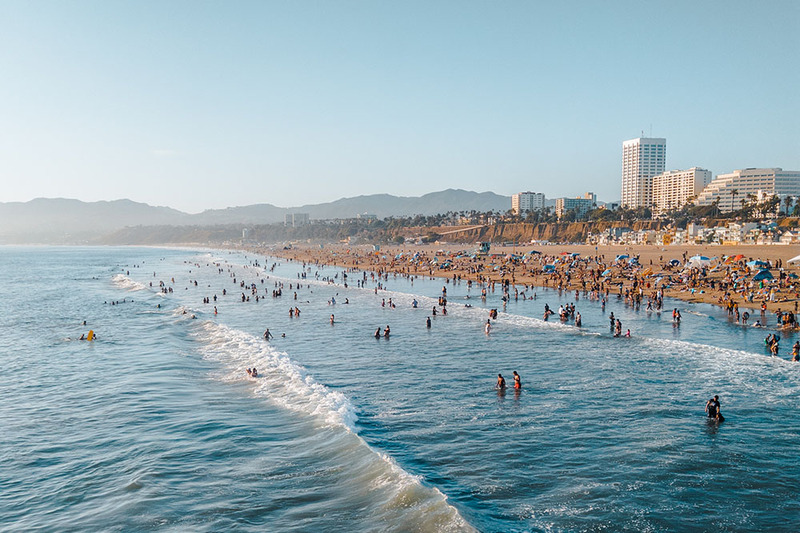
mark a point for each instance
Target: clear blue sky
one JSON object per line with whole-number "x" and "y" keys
{"x": 199, "y": 105}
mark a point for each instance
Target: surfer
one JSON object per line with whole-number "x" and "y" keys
{"x": 501, "y": 382}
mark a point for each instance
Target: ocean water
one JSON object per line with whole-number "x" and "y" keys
{"x": 157, "y": 426}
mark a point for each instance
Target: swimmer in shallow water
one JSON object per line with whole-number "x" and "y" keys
{"x": 517, "y": 381}
{"x": 501, "y": 382}
{"x": 713, "y": 409}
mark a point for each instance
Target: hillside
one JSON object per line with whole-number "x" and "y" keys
{"x": 65, "y": 221}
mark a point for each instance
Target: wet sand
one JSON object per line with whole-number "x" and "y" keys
{"x": 503, "y": 262}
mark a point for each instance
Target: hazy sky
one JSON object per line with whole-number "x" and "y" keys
{"x": 199, "y": 105}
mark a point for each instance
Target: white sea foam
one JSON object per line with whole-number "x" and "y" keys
{"x": 282, "y": 380}
{"x": 404, "y": 499}
{"x": 124, "y": 282}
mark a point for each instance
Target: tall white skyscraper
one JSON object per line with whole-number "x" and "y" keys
{"x": 642, "y": 159}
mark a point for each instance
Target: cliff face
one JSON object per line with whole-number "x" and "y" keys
{"x": 566, "y": 232}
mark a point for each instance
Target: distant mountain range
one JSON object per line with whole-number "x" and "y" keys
{"x": 64, "y": 221}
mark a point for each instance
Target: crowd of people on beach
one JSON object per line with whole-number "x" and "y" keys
{"x": 589, "y": 278}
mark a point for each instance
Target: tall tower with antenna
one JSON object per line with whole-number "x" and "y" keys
{"x": 642, "y": 159}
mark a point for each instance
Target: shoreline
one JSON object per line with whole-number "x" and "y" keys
{"x": 721, "y": 284}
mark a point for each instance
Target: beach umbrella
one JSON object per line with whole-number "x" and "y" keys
{"x": 575, "y": 254}
{"x": 793, "y": 276}
{"x": 699, "y": 258}
{"x": 537, "y": 252}
{"x": 794, "y": 260}
{"x": 606, "y": 272}
{"x": 763, "y": 274}
{"x": 757, "y": 263}
{"x": 674, "y": 262}
{"x": 622, "y": 256}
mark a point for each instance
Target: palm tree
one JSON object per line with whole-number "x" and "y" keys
{"x": 788, "y": 203}
{"x": 734, "y": 193}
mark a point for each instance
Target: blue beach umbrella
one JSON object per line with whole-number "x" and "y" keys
{"x": 606, "y": 272}
{"x": 763, "y": 274}
{"x": 622, "y": 256}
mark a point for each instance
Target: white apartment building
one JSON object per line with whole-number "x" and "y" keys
{"x": 732, "y": 188}
{"x": 581, "y": 203}
{"x": 296, "y": 219}
{"x": 642, "y": 159}
{"x": 673, "y": 188}
{"x": 526, "y": 201}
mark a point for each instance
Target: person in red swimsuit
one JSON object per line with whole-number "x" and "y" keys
{"x": 517, "y": 381}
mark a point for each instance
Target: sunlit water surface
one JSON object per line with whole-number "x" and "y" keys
{"x": 156, "y": 425}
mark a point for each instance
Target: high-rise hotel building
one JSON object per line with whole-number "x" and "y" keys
{"x": 642, "y": 159}
{"x": 672, "y": 189}
{"x": 527, "y": 201}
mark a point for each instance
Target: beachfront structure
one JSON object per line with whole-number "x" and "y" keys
{"x": 524, "y": 202}
{"x": 296, "y": 220}
{"x": 642, "y": 159}
{"x": 581, "y": 204}
{"x": 731, "y": 189}
{"x": 673, "y": 188}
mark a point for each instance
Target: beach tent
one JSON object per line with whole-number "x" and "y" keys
{"x": 794, "y": 260}
{"x": 763, "y": 274}
{"x": 698, "y": 261}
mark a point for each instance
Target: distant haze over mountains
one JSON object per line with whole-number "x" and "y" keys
{"x": 59, "y": 220}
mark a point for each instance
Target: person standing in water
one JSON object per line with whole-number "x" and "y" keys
{"x": 713, "y": 409}
{"x": 428, "y": 322}
{"x": 501, "y": 382}
{"x": 517, "y": 381}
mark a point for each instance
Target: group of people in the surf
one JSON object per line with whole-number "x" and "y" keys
{"x": 501, "y": 382}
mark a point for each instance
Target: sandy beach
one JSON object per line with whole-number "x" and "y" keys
{"x": 719, "y": 283}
